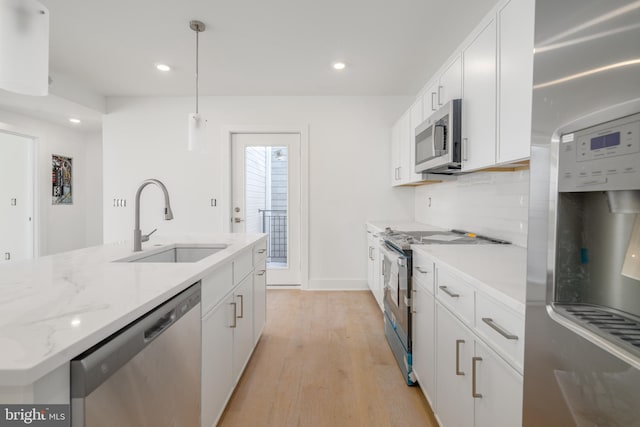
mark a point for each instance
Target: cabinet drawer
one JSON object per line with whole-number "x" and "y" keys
{"x": 502, "y": 328}
{"x": 242, "y": 266}
{"x": 457, "y": 295}
{"x": 215, "y": 286}
{"x": 259, "y": 252}
{"x": 423, "y": 271}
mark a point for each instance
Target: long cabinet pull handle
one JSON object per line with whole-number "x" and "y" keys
{"x": 499, "y": 329}
{"x": 433, "y": 104}
{"x": 235, "y": 310}
{"x": 458, "y": 371}
{"x": 465, "y": 149}
{"x": 399, "y": 172}
{"x": 383, "y": 268}
{"x": 422, "y": 271}
{"x": 448, "y": 292}
{"x": 241, "y": 306}
{"x": 474, "y": 389}
{"x": 439, "y": 97}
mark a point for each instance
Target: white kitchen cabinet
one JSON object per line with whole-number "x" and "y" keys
{"x": 405, "y": 170}
{"x": 415, "y": 119}
{"x": 515, "y": 76}
{"x": 243, "y": 340}
{"x": 374, "y": 265}
{"x": 260, "y": 299}
{"x": 424, "y": 362}
{"x": 217, "y": 360}
{"x": 479, "y": 100}
{"x": 395, "y": 153}
{"x": 474, "y": 386}
{"x": 450, "y": 86}
{"x": 501, "y": 389}
{"x": 454, "y": 350}
{"x": 430, "y": 99}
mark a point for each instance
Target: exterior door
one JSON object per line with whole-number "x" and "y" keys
{"x": 16, "y": 198}
{"x": 266, "y": 198}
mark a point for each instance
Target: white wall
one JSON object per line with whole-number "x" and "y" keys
{"x": 62, "y": 227}
{"x": 349, "y": 169}
{"x": 93, "y": 158}
{"x": 490, "y": 203}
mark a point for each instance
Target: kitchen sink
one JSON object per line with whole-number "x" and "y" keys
{"x": 177, "y": 253}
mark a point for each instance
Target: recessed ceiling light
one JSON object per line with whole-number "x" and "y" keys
{"x": 75, "y": 121}
{"x": 163, "y": 67}
{"x": 339, "y": 65}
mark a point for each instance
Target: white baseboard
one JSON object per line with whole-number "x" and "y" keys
{"x": 338, "y": 285}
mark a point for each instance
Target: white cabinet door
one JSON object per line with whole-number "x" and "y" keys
{"x": 415, "y": 119}
{"x": 259, "y": 300}
{"x": 454, "y": 350}
{"x": 370, "y": 262}
{"x": 243, "y": 339}
{"x": 217, "y": 361}
{"x": 479, "y": 101}
{"x": 395, "y": 153}
{"x": 501, "y": 389}
{"x": 430, "y": 100}
{"x": 424, "y": 362}
{"x": 406, "y": 171}
{"x": 515, "y": 76}
{"x": 450, "y": 82}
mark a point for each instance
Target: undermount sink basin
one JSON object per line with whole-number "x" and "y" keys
{"x": 176, "y": 253}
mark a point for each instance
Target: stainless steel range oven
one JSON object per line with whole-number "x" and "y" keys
{"x": 398, "y": 284}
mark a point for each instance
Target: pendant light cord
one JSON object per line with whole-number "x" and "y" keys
{"x": 197, "y": 61}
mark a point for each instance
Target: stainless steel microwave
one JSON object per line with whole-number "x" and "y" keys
{"x": 438, "y": 141}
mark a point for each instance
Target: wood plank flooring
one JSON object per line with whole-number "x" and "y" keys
{"x": 323, "y": 361}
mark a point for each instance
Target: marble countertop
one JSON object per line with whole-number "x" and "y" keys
{"x": 497, "y": 270}
{"x": 403, "y": 226}
{"x": 55, "y": 307}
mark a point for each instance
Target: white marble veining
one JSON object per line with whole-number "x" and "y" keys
{"x": 55, "y": 307}
{"x": 497, "y": 270}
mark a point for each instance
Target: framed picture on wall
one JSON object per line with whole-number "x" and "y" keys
{"x": 62, "y": 180}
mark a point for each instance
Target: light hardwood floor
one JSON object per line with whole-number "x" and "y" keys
{"x": 323, "y": 361}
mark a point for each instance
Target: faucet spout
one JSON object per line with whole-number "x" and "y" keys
{"x": 138, "y": 237}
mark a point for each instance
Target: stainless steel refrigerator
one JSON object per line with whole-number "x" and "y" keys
{"x": 582, "y": 348}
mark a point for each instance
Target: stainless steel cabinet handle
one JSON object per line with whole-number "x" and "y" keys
{"x": 241, "y": 306}
{"x": 421, "y": 270}
{"x": 465, "y": 149}
{"x": 448, "y": 292}
{"x": 370, "y": 249}
{"x": 433, "y": 104}
{"x": 399, "y": 172}
{"x": 439, "y": 97}
{"x": 261, "y": 251}
{"x": 235, "y": 309}
{"x": 458, "y": 371}
{"x": 383, "y": 269}
{"x": 261, "y": 272}
{"x": 474, "y": 391}
{"x": 499, "y": 329}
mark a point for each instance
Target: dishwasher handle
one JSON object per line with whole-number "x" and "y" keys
{"x": 96, "y": 365}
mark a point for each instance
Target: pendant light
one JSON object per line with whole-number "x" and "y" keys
{"x": 24, "y": 47}
{"x": 196, "y": 122}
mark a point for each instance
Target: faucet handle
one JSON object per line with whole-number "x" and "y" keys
{"x": 145, "y": 237}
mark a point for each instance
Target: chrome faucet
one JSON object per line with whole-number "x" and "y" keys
{"x": 138, "y": 237}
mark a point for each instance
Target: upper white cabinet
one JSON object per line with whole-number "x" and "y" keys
{"x": 445, "y": 87}
{"x": 395, "y": 153}
{"x": 515, "y": 76}
{"x": 402, "y": 153}
{"x": 479, "y": 100}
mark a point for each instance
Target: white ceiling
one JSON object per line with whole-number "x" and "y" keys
{"x": 257, "y": 47}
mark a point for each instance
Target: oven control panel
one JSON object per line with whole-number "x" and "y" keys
{"x": 602, "y": 157}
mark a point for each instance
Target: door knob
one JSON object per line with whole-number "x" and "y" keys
{"x": 237, "y": 220}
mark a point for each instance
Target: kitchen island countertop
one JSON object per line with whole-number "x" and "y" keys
{"x": 55, "y": 307}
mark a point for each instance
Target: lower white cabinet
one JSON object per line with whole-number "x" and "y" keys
{"x": 243, "y": 340}
{"x": 475, "y": 387}
{"x": 217, "y": 360}
{"x": 424, "y": 353}
{"x": 374, "y": 266}
{"x": 231, "y": 328}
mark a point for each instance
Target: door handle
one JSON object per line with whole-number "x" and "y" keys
{"x": 448, "y": 292}
{"x": 474, "y": 391}
{"x": 420, "y": 270}
{"x": 241, "y": 306}
{"x": 458, "y": 371}
{"x": 261, "y": 272}
{"x": 235, "y": 309}
{"x": 499, "y": 329}
{"x": 237, "y": 220}
{"x": 465, "y": 149}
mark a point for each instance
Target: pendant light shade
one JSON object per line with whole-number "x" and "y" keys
{"x": 196, "y": 121}
{"x": 24, "y": 47}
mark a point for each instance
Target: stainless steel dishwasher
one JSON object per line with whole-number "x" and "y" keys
{"x": 147, "y": 374}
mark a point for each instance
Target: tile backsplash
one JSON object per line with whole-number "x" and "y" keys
{"x": 490, "y": 203}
